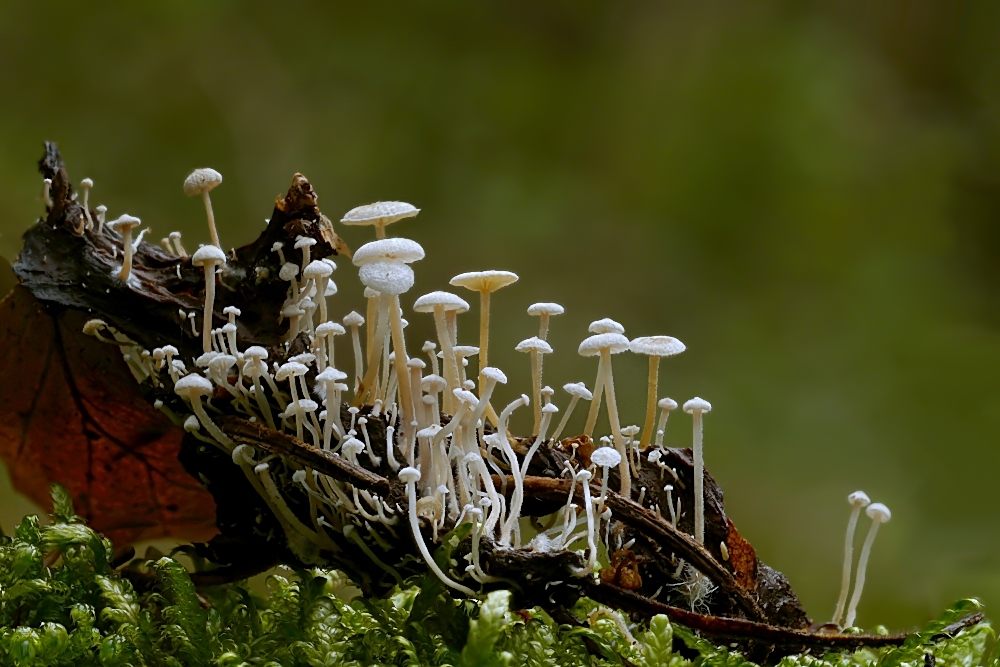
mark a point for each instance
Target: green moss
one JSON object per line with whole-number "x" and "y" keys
{"x": 77, "y": 611}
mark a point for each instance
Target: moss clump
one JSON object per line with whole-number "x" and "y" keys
{"x": 74, "y": 609}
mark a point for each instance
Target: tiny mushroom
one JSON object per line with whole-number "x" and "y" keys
{"x": 544, "y": 311}
{"x": 577, "y": 390}
{"x": 666, "y": 405}
{"x": 124, "y": 226}
{"x": 201, "y": 182}
{"x": 192, "y": 388}
{"x": 536, "y": 347}
{"x": 440, "y": 303}
{"x": 879, "y": 514}
{"x": 379, "y": 215}
{"x": 208, "y": 257}
{"x": 606, "y": 344}
{"x": 354, "y": 319}
{"x": 655, "y": 347}
{"x": 319, "y": 272}
{"x": 176, "y": 238}
{"x": 602, "y": 326}
{"x": 605, "y": 458}
{"x": 85, "y": 185}
{"x": 102, "y": 211}
{"x": 857, "y": 500}
{"x": 696, "y": 407}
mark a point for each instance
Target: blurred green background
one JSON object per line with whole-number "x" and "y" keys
{"x": 805, "y": 195}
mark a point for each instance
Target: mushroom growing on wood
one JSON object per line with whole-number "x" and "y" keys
{"x": 85, "y": 185}
{"x": 606, "y": 344}
{"x": 536, "y": 347}
{"x": 601, "y": 326}
{"x": 208, "y": 257}
{"x": 192, "y": 388}
{"x": 354, "y": 319}
{"x": 655, "y": 347}
{"x": 879, "y": 514}
{"x": 544, "y": 311}
{"x": 696, "y": 407}
{"x": 124, "y": 226}
{"x": 439, "y": 303}
{"x": 577, "y": 390}
{"x": 379, "y": 215}
{"x": 484, "y": 282}
{"x": 201, "y": 182}
{"x": 665, "y": 405}
{"x": 857, "y": 500}
{"x": 176, "y": 238}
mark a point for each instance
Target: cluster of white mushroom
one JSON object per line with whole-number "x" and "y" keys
{"x": 879, "y": 514}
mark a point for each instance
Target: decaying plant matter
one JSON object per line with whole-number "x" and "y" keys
{"x": 368, "y": 475}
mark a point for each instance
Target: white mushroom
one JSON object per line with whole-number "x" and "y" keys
{"x": 857, "y": 501}
{"x": 176, "y": 238}
{"x": 208, "y": 257}
{"x": 665, "y": 405}
{"x": 47, "y": 192}
{"x": 544, "y": 311}
{"x": 605, "y": 458}
{"x": 602, "y": 326}
{"x": 879, "y": 514}
{"x": 201, "y": 182}
{"x": 85, "y": 185}
{"x": 319, "y": 273}
{"x": 379, "y": 215}
{"x": 606, "y": 344}
{"x": 655, "y": 347}
{"x": 696, "y": 407}
{"x": 354, "y": 320}
{"x": 536, "y": 347}
{"x": 484, "y": 282}
{"x": 124, "y": 226}
{"x": 192, "y": 388}
{"x": 576, "y": 390}
{"x": 102, "y": 211}
{"x": 441, "y": 303}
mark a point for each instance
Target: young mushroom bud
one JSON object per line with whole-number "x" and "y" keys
{"x": 201, "y": 182}
{"x": 879, "y": 514}
{"x": 208, "y": 257}
{"x": 124, "y": 226}
{"x": 857, "y": 500}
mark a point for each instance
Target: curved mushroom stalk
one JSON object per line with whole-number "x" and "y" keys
{"x": 879, "y": 514}
{"x": 576, "y": 390}
{"x": 857, "y": 500}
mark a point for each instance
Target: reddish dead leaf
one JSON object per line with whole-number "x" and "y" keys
{"x": 70, "y": 412}
{"x": 742, "y": 557}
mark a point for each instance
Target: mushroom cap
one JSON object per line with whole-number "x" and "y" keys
{"x": 254, "y": 367}
{"x": 584, "y": 475}
{"x": 859, "y": 498}
{"x": 292, "y": 310}
{"x": 630, "y": 430}
{"x": 416, "y": 362}
{"x": 606, "y": 457}
{"x": 201, "y": 180}
{"x": 534, "y": 344}
{"x": 306, "y": 405}
{"x": 317, "y": 269}
{"x": 613, "y": 342}
{"x": 276, "y": 246}
{"x": 228, "y": 328}
{"x": 353, "y": 319}
{"x": 395, "y": 249}
{"x": 330, "y": 262}
{"x": 381, "y": 212}
{"x": 449, "y": 301}
{"x": 169, "y": 350}
{"x": 466, "y": 350}
{"x": 86, "y": 183}
{"x": 371, "y": 294}
{"x": 550, "y": 407}
{"x": 192, "y": 424}
{"x": 232, "y": 310}
{"x": 428, "y": 346}
{"x": 697, "y": 405}
{"x": 256, "y": 352}
{"x": 193, "y": 385}
{"x": 303, "y": 242}
{"x": 124, "y": 221}
{"x": 208, "y": 254}
{"x": 654, "y": 456}
{"x": 878, "y": 512}
{"x": 290, "y": 369}
{"x": 605, "y": 325}
{"x": 331, "y": 374}
{"x": 494, "y": 374}
{"x": 667, "y": 404}
{"x": 545, "y": 308}
{"x": 101, "y": 209}
{"x": 429, "y": 432}
{"x": 387, "y": 276}
{"x": 433, "y": 383}
{"x": 205, "y": 359}
{"x": 353, "y": 446}
{"x": 484, "y": 281}
{"x": 327, "y": 328}
{"x": 303, "y": 358}
{"x": 340, "y": 386}
{"x": 466, "y": 396}
{"x": 657, "y": 346}
{"x": 578, "y": 389}
{"x": 288, "y": 271}
{"x": 408, "y": 475}
{"x": 331, "y": 288}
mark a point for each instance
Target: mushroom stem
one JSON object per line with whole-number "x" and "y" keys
{"x": 399, "y": 346}
{"x": 448, "y": 352}
{"x": 206, "y": 421}
{"x": 127, "y": 261}
{"x": 206, "y": 327}
{"x": 647, "y": 428}
{"x": 859, "y": 579}
{"x": 211, "y": 219}
{"x": 358, "y": 364}
{"x": 514, "y": 512}
{"x": 616, "y": 429}
{"x": 484, "y": 335}
{"x": 411, "y": 496}
{"x": 536, "y": 388}
{"x": 367, "y": 384}
{"x": 262, "y": 403}
{"x": 565, "y": 418}
{"x": 584, "y": 477}
{"x": 595, "y": 403}
{"x": 845, "y": 580}
{"x": 699, "y": 479}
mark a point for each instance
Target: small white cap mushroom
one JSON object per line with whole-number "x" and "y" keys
{"x": 353, "y": 319}
{"x": 697, "y": 405}
{"x": 592, "y": 345}
{"x": 449, "y": 301}
{"x": 304, "y": 242}
{"x": 395, "y": 249}
{"x": 859, "y": 499}
{"x": 878, "y": 512}
{"x": 495, "y": 374}
{"x": 316, "y": 270}
{"x": 534, "y": 344}
{"x": 604, "y": 326}
{"x": 201, "y": 180}
{"x": 545, "y": 308}
{"x": 667, "y": 404}
{"x": 409, "y": 475}
{"x": 208, "y": 254}
{"x": 657, "y": 346}
{"x": 388, "y": 277}
{"x": 379, "y": 215}
{"x": 605, "y": 457}
{"x": 484, "y": 281}
{"x": 578, "y": 389}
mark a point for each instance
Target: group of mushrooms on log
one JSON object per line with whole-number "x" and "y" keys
{"x": 257, "y": 448}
